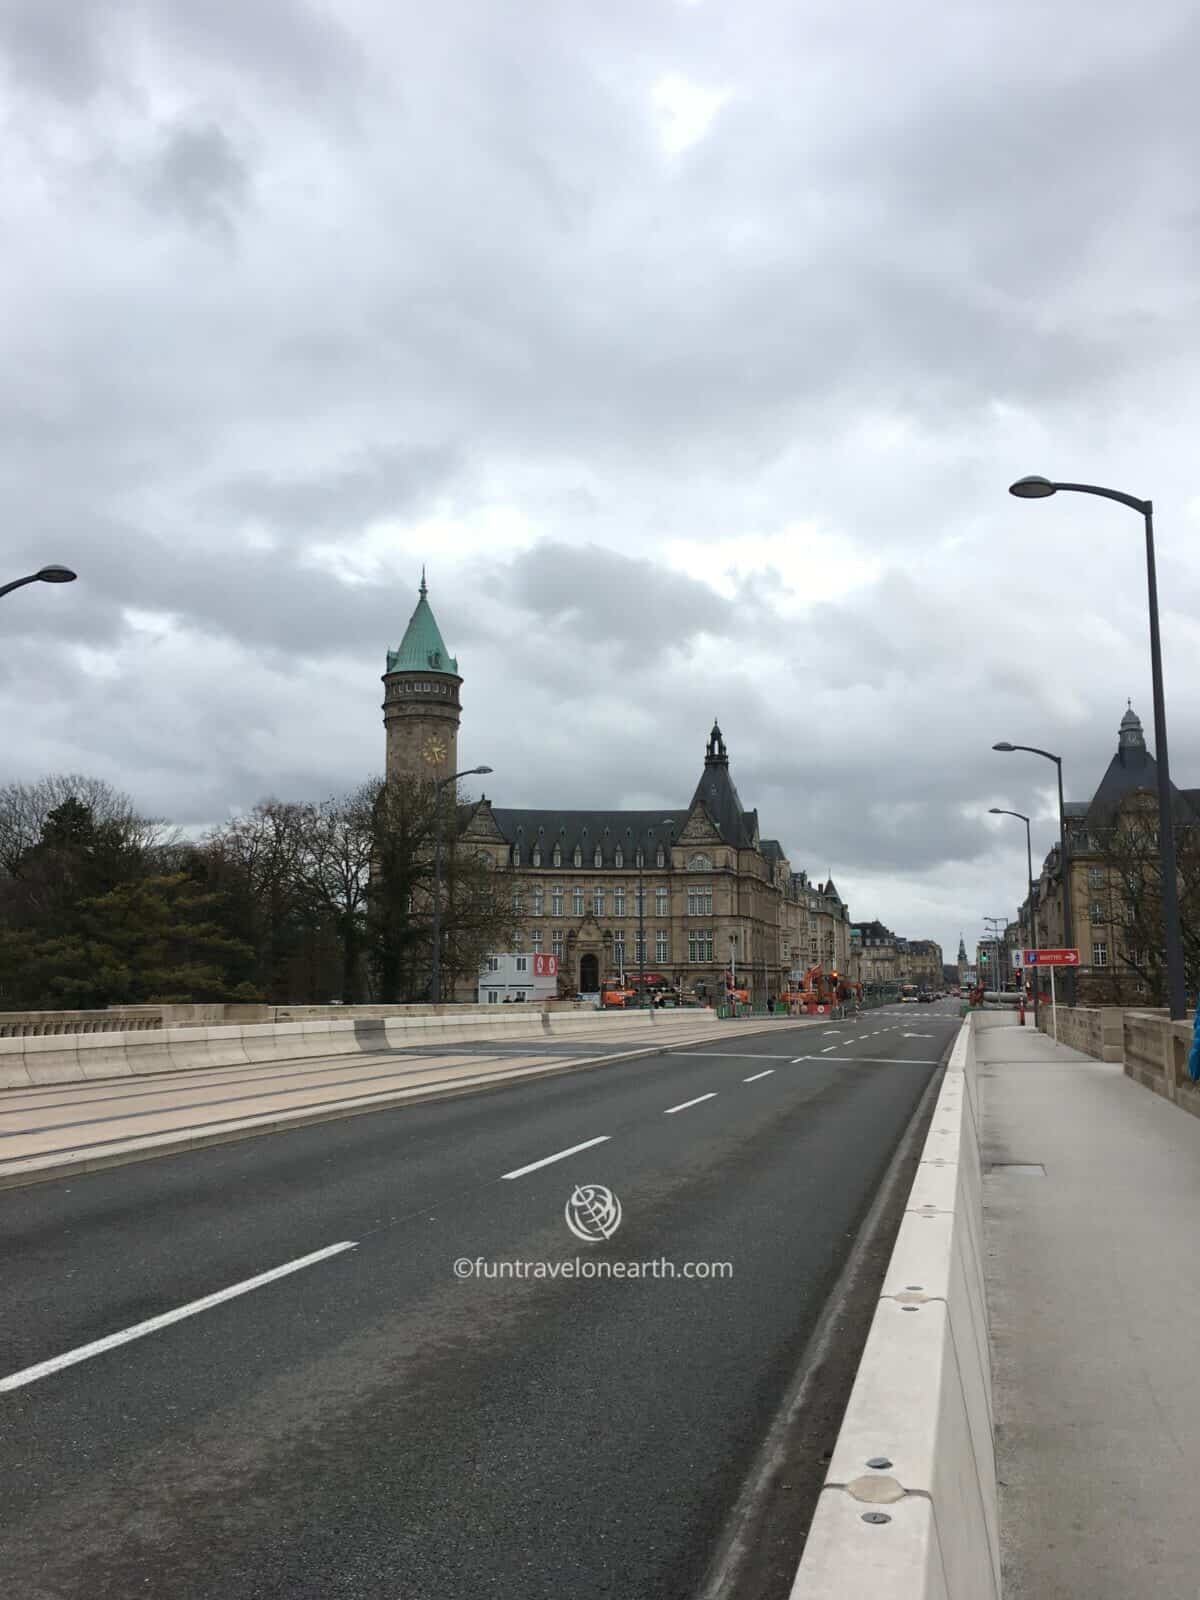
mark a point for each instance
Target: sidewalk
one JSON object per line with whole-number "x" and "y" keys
{"x": 1093, "y": 1282}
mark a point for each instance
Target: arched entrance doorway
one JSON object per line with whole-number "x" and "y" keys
{"x": 589, "y": 975}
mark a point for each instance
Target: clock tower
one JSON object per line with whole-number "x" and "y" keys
{"x": 421, "y": 707}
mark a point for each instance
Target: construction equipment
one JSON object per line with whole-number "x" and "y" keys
{"x": 818, "y": 992}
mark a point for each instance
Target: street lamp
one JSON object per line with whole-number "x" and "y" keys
{"x": 996, "y": 939}
{"x": 435, "y": 976}
{"x": 999, "y": 811}
{"x": 1068, "y": 898}
{"x": 1038, "y": 489}
{"x": 46, "y": 575}
{"x": 667, "y": 822}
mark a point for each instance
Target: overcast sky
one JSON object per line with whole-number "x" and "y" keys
{"x": 691, "y": 345}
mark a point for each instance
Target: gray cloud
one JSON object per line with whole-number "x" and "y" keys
{"x": 720, "y": 430}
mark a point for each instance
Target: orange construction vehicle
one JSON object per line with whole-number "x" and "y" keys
{"x": 820, "y": 991}
{"x": 615, "y": 998}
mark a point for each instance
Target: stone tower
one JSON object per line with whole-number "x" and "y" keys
{"x": 421, "y": 707}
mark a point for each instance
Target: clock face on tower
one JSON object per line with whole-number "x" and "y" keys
{"x": 434, "y": 750}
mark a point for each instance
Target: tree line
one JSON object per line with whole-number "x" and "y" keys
{"x": 289, "y": 902}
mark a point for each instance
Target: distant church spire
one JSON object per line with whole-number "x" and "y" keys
{"x": 423, "y": 591}
{"x": 716, "y": 754}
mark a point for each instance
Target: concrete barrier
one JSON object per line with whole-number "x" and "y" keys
{"x": 75, "y": 1057}
{"x": 909, "y": 1510}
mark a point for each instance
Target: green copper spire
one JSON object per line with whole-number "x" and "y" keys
{"x": 422, "y": 649}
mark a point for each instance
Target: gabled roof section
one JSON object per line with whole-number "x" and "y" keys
{"x": 717, "y": 794}
{"x": 422, "y": 649}
{"x": 1131, "y": 768}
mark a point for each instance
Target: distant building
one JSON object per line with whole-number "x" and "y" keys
{"x": 719, "y": 899}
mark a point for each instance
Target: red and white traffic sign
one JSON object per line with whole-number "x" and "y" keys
{"x": 545, "y": 966}
{"x": 1051, "y": 958}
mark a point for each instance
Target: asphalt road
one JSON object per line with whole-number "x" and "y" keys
{"x": 371, "y": 1425}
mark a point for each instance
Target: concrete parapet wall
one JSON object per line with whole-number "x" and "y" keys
{"x": 1156, "y": 1053}
{"x": 1095, "y": 1030}
{"x": 921, "y": 1407}
{"x": 76, "y": 1057}
{"x": 137, "y": 1019}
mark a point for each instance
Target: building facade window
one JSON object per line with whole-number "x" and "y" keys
{"x": 619, "y": 857}
{"x": 537, "y": 901}
{"x": 518, "y": 940}
{"x": 662, "y": 946}
{"x": 557, "y": 857}
{"x": 556, "y": 901}
{"x": 1095, "y": 877}
{"x": 618, "y": 954}
{"x": 598, "y": 902}
{"x": 699, "y": 900}
{"x": 577, "y": 900}
{"x": 639, "y": 902}
{"x": 518, "y": 903}
{"x": 535, "y": 941}
{"x": 578, "y": 857}
{"x": 619, "y": 899}
{"x": 700, "y": 945}
{"x": 597, "y": 857}
{"x": 537, "y": 856}
{"x": 493, "y": 996}
{"x": 1097, "y": 911}
{"x": 639, "y": 948}
{"x": 516, "y": 855}
{"x": 641, "y": 858}
{"x": 522, "y": 963}
{"x": 1100, "y": 953}
{"x": 662, "y": 902}
{"x": 557, "y": 941}
{"x": 493, "y": 963}
{"x": 660, "y": 857}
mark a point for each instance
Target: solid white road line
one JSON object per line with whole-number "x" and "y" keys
{"x": 560, "y": 1156}
{"x": 883, "y": 1061}
{"x": 16, "y": 1380}
{"x": 759, "y": 1075}
{"x": 671, "y": 1110}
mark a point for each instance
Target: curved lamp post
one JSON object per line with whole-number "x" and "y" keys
{"x": 1068, "y": 898}
{"x": 999, "y": 811}
{"x": 46, "y": 575}
{"x": 1039, "y": 489}
{"x": 435, "y": 975}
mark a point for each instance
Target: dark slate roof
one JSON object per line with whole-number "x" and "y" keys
{"x": 1129, "y": 770}
{"x": 1075, "y": 808}
{"x": 717, "y": 793}
{"x": 772, "y": 849}
{"x": 587, "y": 829}
{"x": 831, "y": 891}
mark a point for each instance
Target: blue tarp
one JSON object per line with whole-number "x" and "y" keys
{"x": 1194, "y": 1052}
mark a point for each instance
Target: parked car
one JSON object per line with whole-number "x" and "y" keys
{"x": 925, "y": 998}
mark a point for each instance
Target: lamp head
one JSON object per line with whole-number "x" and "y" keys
{"x": 1004, "y": 745}
{"x": 56, "y": 575}
{"x": 1033, "y": 488}
{"x": 480, "y": 770}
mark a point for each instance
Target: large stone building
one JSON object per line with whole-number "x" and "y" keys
{"x": 716, "y": 898}
{"x": 1111, "y": 853}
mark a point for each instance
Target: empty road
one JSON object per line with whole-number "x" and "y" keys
{"x": 347, "y": 1412}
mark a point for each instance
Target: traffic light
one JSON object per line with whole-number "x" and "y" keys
{"x": 983, "y": 958}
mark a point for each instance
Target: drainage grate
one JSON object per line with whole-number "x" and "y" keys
{"x": 1023, "y": 1169}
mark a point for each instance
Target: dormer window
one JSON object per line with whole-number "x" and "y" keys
{"x": 537, "y": 856}
{"x": 619, "y": 858}
{"x": 640, "y": 862}
{"x": 660, "y": 857}
{"x": 578, "y": 857}
{"x": 597, "y": 857}
{"x": 516, "y": 861}
{"x": 557, "y": 856}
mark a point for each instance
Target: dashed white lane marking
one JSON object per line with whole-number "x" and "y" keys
{"x": 759, "y": 1075}
{"x": 671, "y": 1110}
{"x": 795, "y": 1059}
{"x": 560, "y": 1155}
{"x": 84, "y": 1352}
{"x": 828, "y": 1047}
